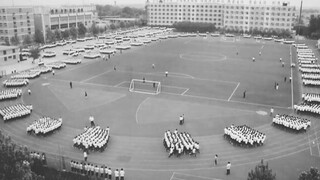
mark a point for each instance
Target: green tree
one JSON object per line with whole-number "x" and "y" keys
{"x": 38, "y": 37}
{"x": 73, "y": 32}
{"x": 35, "y": 53}
{"x": 93, "y": 29}
{"x": 50, "y": 37}
{"x": 312, "y": 174}
{"x": 27, "y": 40}
{"x": 65, "y": 34}
{"x": 113, "y": 26}
{"x": 15, "y": 40}
{"x": 261, "y": 172}
{"x": 14, "y": 161}
{"x": 57, "y": 34}
{"x": 82, "y": 29}
{"x": 187, "y": 26}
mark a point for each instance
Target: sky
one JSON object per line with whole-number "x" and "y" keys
{"x": 306, "y": 3}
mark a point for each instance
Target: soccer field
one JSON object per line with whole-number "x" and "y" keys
{"x": 207, "y": 78}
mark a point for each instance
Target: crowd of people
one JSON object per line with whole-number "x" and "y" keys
{"x": 178, "y": 143}
{"x": 244, "y": 135}
{"x": 42, "y": 69}
{"x": 308, "y": 107}
{"x": 10, "y": 93}
{"x": 44, "y": 126}
{"x": 311, "y": 97}
{"x": 311, "y": 82}
{"x": 92, "y": 139}
{"x": 15, "y": 82}
{"x": 310, "y": 76}
{"x": 56, "y": 65}
{"x": 15, "y": 111}
{"x": 291, "y": 122}
{"x": 38, "y": 156}
{"x": 102, "y": 171}
{"x": 26, "y": 75}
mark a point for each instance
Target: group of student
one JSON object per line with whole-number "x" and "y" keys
{"x": 38, "y": 156}
{"x": 179, "y": 143}
{"x": 15, "y": 111}
{"x": 311, "y": 82}
{"x": 26, "y": 75}
{"x": 310, "y": 76}
{"x": 311, "y": 97}
{"x": 10, "y": 93}
{"x": 44, "y": 126}
{"x": 92, "y": 139}
{"x": 15, "y": 82}
{"x": 308, "y": 107}
{"x": 244, "y": 135}
{"x": 291, "y": 122}
{"x": 94, "y": 170}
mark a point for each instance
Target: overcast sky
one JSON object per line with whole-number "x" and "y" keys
{"x": 307, "y": 3}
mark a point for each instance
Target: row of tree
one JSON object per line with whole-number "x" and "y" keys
{"x": 312, "y": 30}
{"x": 126, "y": 12}
{"x": 187, "y": 26}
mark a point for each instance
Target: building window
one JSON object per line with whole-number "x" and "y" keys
{"x": 4, "y": 52}
{"x": 14, "y": 56}
{"x": 5, "y": 58}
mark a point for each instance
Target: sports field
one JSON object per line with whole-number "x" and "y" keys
{"x": 206, "y": 81}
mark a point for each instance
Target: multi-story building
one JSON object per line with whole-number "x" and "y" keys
{"x": 8, "y": 53}
{"x": 64, "y": 17}
{"x": 228, "y": 14}
{"x": 16, "y": 21}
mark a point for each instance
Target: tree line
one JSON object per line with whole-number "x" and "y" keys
{"x": 126, "y": 12}
{"x": 312, "y": 30}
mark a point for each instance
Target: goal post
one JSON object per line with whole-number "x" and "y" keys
{"x": 145, "y": 86}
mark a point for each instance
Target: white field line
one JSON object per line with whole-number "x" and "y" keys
{"x": 291, "y": 77}
{"x": 201, "y": 177}
{"x": 309, "y": 144}
{"x": 137, "y": 121}
{"x": 185, "y": 91}
{"x": 234, "y": 91}
{"x": 172, "y": 175}
{"x": 88, "y": 79}
{"x": 117, "y": 85}
{"x": 317, "y": 142}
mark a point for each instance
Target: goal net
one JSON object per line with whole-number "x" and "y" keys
{"x": 145, "y": 86}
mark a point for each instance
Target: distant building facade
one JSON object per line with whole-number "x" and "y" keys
{"x": 16, "y": 21}
{"x": 64, "y": 17}
{"x": 263, "y": 15}
{"x": 9, "y": 53}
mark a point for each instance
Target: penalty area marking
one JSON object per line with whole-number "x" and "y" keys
{"x": 185, "y": 91}
{"x": 139, "y": 109}
{"x": 233, "y": 91}
{"x": 117, "y": 85}
{"x": 194, "y": 176}
{"x": 198, "y": 55}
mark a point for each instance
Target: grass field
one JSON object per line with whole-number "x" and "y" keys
{"x": 206, "y": 82}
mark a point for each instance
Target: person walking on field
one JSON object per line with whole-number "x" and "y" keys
{"x": 70, "y": 84}
{"x": 228, "y": 168}
{"x": 216, "y": 159}
{"x": 244, "y": 94}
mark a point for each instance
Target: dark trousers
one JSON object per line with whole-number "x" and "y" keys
{"x": 228, "y": 171}
{"x": 215, "y": 162}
